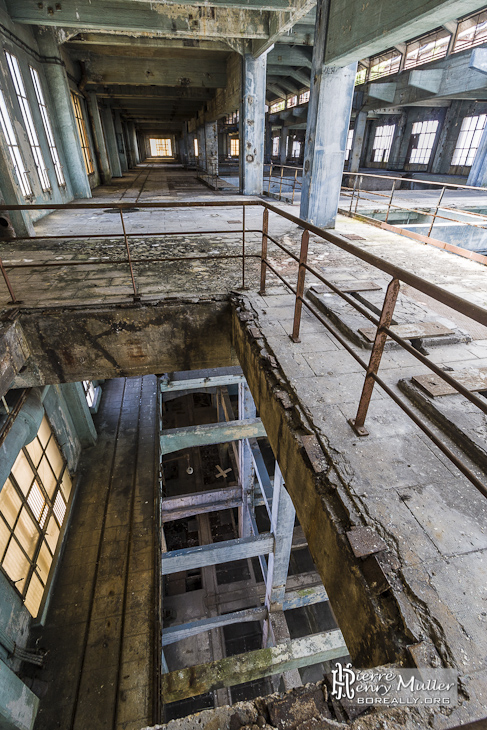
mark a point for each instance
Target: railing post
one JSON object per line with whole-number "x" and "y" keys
{"x": 303, "y": 257}
{"x": 263, "y": 255}
{"x": 13, "y": 300}
{"x": 433, "y": 219}
{"x": 243, "y": 246}
{"x": 390, "y": 201}
{"x": 294, "y": 185}
{"x": 358, "y": 192}
{"x": 353, "y": 192}
{"x": 136, "y": 294}
{"x": 390, "y": 299}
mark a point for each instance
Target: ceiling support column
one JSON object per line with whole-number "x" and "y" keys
{"x": 132, "y": 136}
{"x": 111, "y": 139}
{"x": 358, "y": 141}
{"x": 252, "y": 120}
{"x": 99, "y": 139}
{"x": 283, "y": 145}
{"x": 120, "y": 142}
{"x": 329, "y": 108}
{"x": 57, "y": 81}
{"x": 211, "y": 139}
{"x": 478, "y": 171}
{"x": 201, "y": 136}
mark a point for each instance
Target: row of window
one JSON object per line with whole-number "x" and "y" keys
{"x": 32, "y": 134}
{"x": 423, "y": 137}
{"x": 471, "y": 31}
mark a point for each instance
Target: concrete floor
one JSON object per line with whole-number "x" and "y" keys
{"x": 432, "y": 519}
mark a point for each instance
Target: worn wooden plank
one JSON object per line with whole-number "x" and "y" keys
{"x": 171, "y": 386}
{"x": 184, "y": 683}
{"x": 193, "y": 628}
{"x": 263, "y": 477}
{"x": 415, "y": 330}
{"x": 175, "y": 439}
{"x": 188, "y": 505}
{"x": 475, "y": 379}
{"x": 304, "y": 597}
{"x": 219, "y": 552}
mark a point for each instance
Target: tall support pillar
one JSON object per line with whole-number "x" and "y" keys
{"x": 183, "y": 150}
{"x": 99, "y": 139}
{"x": 268, "y": 144}
{"x": 132, "y": 135}
{"x": 251, "y": 126}
{"x": 478, "y": 171}
{"x": 211, "y": 140}
{"x": 358, "y": 141}
{"x": 283, "y": 144}
{"x": 201, "y": 136}
{"x": 58, "y": 85}
{"x": 246, "y": 409}
{"x": 329, "y": 108}
{"x": 112, "y": 149}
{"x": 282, "y": 526}
{"x": 120, "y": 142}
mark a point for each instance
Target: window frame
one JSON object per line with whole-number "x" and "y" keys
{"x": 385, "y": 149}
{"x": 49, "y": 510}
{"x": 28, "y": 119}
{"x": 48, "y": 130}
{"x": 475, "y": 134}
{"x": 82, "y": 133}
{"x": 421, "y": 155}
{"x": 14, "y": 149}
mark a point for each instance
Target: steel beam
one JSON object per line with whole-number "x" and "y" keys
{"x": 175, "y": 439}
{"x": 189, "y": 505}
{"x": 177, "y": 633}
{"x": 192, "y": 681}
{"x": 216, "y": 553}
{"x": 304, "y": 597}
{"x": 170, "y": 386}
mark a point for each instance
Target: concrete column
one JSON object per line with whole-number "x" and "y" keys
{"x": 23, "y": 431}
{"x": 75, "y": 398}
{"x": 268, "y": 144}
{"x": 59, "y": 92}
{"x": 120, "y": 141}
{"x": 183, "y": 150}
{"x": 201, "y": 136}
{"x": 127, "y": 147}
{"x": 283, "y": 143}
{"x": 252, "y": 120}
{"x": 99, "y": 139}
{"x": 133, "y": 141}
{"x": 112, "y": 149}
{"x": 478, "y": 171}
{"x": 211, "y": 140}
{"x": 357, "y": 141}
{"x": 329, "y": 108}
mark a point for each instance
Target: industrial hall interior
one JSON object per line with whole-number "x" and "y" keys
{"x": 243, "y": 365}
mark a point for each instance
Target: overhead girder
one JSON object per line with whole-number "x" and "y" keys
{"x": 181, "y": 93}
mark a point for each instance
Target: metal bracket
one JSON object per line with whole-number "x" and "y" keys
{"x": 359, "y": 430}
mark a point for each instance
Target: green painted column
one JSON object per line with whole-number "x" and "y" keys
{"x": 59, "y": 92}
{"x": 100, "y": 145}
{"x": 18, "y": 705}
{"x": 111, "y": 138}
{"x": 23, "y": 431}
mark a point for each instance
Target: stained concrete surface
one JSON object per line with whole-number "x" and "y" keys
{"x": 100, "y": 628}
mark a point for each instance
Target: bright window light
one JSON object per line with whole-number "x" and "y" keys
{"x": 161, "y": 147}
{"x": 385, "y": 64}
{"x": 469, "y": 140}
{"x": 304, "y": 97}
{"x": 275, "y": 146}
{"x": 82, "y": 134}
{"x": 278, "y": 106}
{"x": 383, "y": 142}
{"x": 33, "y": 503}
{"x": 426, "y": 132}
{"x": 349, "y": 143}
{"x": 47, "y": 126}
{"x": 234, "y": 146}
{"x": 195, "y": 145}
{"x": 428, "y": 48}
{"x": 26, "y": 111}
{"x": 13, "y": 148}
{"x": 296, "y": 151}
{"x": 292, "y": 101}
{"x": 471, "y": 32}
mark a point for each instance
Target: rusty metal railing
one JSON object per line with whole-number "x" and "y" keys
{"x": 293, "y": 182}
{"x": 358, "y": 193}
{"x": 383, "y": 322}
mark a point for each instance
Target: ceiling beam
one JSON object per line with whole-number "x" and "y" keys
{"x": 108, "y": 70}
{"x": 300, "y": 76}
{"x": 182, "y": 93}
{"x": 168, "y": 20}
{"x": 272, "y": 5}
{"x": 282, "y": 55}
{"x": 284, "y": 82}
{"x": 83, "y": 40}
{"x": 280, "y": 23}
